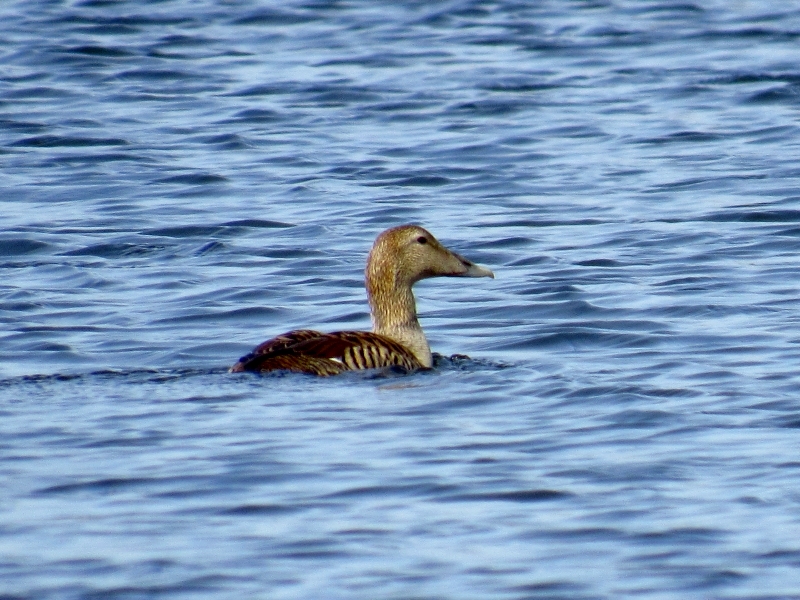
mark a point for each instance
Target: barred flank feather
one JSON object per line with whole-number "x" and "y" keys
{"x": 306, "y": 351}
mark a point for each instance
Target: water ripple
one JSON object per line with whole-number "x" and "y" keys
{"x": 614, "y": 416}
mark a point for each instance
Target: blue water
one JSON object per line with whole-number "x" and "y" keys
{"x": 181, "y": 180}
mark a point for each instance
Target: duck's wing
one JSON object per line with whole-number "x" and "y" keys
{"x": 360, "y": 350}
{"x": 285, "y": 340}
{"x": 272, "y": 346}
{"x": 308, "y": 351}
{"x": 299, "y": 363}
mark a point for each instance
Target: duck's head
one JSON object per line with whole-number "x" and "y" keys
{"x": 403, "y": 255}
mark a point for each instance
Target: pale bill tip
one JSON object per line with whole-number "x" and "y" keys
{"x": 479, "y": 271}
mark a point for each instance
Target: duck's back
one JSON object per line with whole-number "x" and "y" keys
{"x": 308, "y": 351}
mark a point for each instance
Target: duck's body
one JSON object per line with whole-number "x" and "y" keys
{"x": 309, "y": 351}
{"x": 400, "y": 257}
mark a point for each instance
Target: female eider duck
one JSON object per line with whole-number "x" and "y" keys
{"x": 400, "y": 257}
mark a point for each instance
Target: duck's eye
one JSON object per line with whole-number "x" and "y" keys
{"x": 422, "y": 240}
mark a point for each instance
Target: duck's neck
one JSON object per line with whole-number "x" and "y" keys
{"x": 394, "y": 314}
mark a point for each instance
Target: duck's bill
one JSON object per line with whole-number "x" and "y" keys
{"x": 471, "y": 269}
{"x": 474, "y": 270}
{"x": 461, "y": 267}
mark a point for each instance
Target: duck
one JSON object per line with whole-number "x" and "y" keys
{"x": 399, "y": 258}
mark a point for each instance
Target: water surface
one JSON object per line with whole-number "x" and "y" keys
{"x": 182, "y": 180}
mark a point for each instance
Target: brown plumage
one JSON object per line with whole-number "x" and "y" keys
{"x": 400, "y": 257}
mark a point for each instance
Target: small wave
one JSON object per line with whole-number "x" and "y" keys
{"x": 211, "y": 317}
{"x": 36, "y": 93}
{"x": 257, "y": 115}
{"x": 203, "y": 231}
{"x": 19, "y": 246}
{"x": 185, "y": 231}
{"x": 194, "y": 179}
{"x": 115, "y": 250}
{"x": 577, "y": 337}
{"x": 259, "y": 509}
{"x": 22, "y": 126}
{"x": 157, "y": 75}
{"x": 55, "y": 141}
{"x": 755, "y": 216}
{"x": 99, "y": 485}
{"x": 90, "y": 50}
{"x": 490, "y": 108}
{"x": 536, "y": 495}
{"x": 227, "y": 141}
{"x": 274, "y": 17}
{"x": 258, "y": 224}
{"x": 682, "y": 136}
{"x": 421, "y": 180}
{"x": 208, "y": 248}
{"x": 406, "y": 489}
{"x": 782, "y": 94}
{"x": 599, "y": 262}
{"x": 137, "y": 375}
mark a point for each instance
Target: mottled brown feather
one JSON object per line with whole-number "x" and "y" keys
{"x": 307, "y": 351}
{"x": 286, "y": 340}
